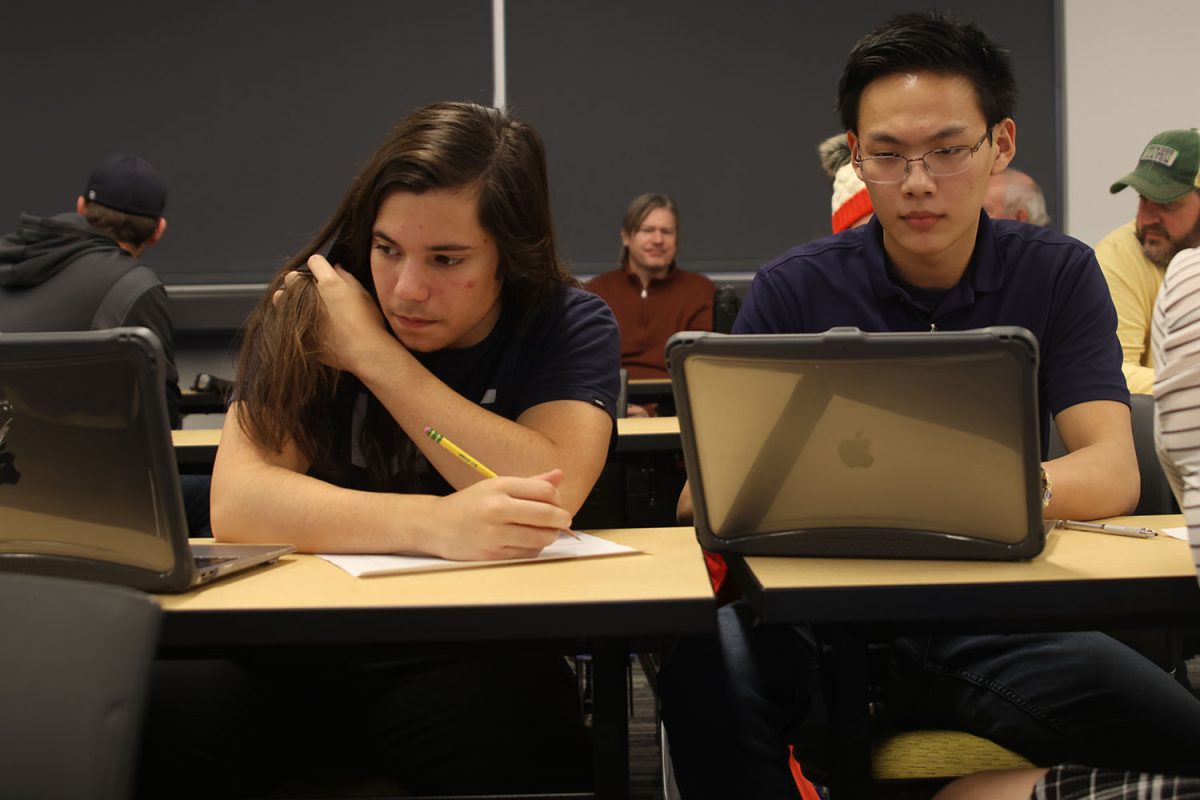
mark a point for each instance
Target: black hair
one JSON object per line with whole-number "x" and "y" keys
{"x": 929, "y": 42}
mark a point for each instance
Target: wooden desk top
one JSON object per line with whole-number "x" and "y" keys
{"x": 303, "y": 599}
{"x": 648, "y": 426}
{"x": 200, "y": 437}
{"x": 633, "y": 435}
{"x": 645, "y": 434}
{"x": 1077, "y": 573}
{"x": 640, "y": 388}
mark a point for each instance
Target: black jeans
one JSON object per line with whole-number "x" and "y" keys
{"x": 501, "y": 724}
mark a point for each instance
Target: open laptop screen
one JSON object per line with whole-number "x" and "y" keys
{"x": 81, "y": 450}
{"x": 848, "y": 443}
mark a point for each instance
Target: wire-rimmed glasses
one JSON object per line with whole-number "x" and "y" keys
{"x": 941, "y": 162}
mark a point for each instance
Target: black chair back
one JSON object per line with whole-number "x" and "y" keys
{"x": 623, "y": 394}
{"x": 726, "y": 303}
{"x": 73, "y": 684}
{"x": 1156, "y": 497}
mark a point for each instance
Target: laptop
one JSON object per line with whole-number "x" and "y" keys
{"x": 853, "y": 444}
{"x": 89, "y": 487}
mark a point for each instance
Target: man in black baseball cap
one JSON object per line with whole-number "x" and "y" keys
{"x": 1134, "y": 257}
{"x": 82, "y": 270}
{"x": 127, "y": 183}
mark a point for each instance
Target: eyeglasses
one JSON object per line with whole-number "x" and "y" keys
{"x": 940, "y": 163}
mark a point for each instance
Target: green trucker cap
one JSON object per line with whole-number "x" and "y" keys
{"x": 1168, "y": 169}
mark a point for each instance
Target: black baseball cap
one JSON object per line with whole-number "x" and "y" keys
{"x": 127, "y": 183}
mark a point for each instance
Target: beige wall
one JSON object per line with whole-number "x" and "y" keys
{"x": 1130, "y": 72}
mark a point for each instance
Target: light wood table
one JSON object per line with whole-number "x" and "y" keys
{"x": 647, "y": 434}
{"x": 649, "y": 387}
{"x": 1078, "y": 573}
{"x": 606, "y": 606}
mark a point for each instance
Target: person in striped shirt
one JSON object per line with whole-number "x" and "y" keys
{"x": 1176, "y": 349}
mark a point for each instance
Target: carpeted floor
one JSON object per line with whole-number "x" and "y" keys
{"x": 645, "y": 756}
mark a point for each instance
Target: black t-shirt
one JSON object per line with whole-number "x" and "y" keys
{"x": 570, "y": 350}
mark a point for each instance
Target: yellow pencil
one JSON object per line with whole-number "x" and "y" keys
{"x": 463, "y": 455}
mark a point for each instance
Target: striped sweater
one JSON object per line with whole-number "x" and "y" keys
{"x": 1176, "y": 349}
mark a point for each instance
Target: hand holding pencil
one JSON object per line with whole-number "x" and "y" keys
{"x": 480, "y": 467}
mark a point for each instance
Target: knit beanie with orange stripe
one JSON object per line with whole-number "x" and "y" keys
{"x": 850, "y": 204}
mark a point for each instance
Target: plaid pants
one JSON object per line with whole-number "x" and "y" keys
{"x": 1073, "y": 782}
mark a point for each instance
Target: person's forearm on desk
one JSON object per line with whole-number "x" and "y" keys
{"x": 566, "y": 434}
{"x": 263, "y": 496}
{"x": 1099, "y": 475}
{"x": 562, "y": 434}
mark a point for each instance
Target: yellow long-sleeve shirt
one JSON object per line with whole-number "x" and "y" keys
{"x": 1133, "y": 281}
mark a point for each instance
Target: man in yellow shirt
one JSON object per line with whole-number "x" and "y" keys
{"x": 1135, "y": 255}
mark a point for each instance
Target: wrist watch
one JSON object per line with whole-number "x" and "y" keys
{"x": 1047, "y": 489}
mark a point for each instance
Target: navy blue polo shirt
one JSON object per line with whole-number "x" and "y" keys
{"x": 568, "y": 350}
{"x": 1019, "y": 274}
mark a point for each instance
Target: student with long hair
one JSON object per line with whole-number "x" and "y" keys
{"x": 433, "y": 297}
{"x": 441, "y": 303}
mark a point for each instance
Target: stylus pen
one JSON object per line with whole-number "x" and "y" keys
{"x": 1104, "y": 527}
{"x": 468, "y": 459}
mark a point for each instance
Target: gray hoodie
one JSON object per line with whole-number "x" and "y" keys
{"x": 60, "y": 274}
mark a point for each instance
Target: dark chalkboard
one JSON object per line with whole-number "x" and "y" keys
{"x": 258, "y": 113}
{"x": 722, "y": 105}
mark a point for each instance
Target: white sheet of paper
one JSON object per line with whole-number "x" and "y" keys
{"x": 1176, "y": 533}
{"x": 586, "y": 546}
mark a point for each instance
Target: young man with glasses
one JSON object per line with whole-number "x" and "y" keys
{"x": 927, "y": 104}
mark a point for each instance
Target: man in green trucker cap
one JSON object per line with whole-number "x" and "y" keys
{"x": 1135, "y": 255}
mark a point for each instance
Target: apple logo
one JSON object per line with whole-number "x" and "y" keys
{"x": 856, "y": 452}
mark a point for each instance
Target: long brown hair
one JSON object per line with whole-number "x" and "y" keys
{"x": 283, "y": 390}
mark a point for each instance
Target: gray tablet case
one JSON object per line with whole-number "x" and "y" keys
{"x": 852, "y": 444}
{"x": 89, "y": 486}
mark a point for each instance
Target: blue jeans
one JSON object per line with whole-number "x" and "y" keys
{"x": 733, "y": 702}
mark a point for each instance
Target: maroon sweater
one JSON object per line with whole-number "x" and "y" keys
{"x": 682, "y": 301}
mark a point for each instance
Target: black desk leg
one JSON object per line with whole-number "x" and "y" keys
{"x": 848, "y": 713}
{"x": 610, "y": 721}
